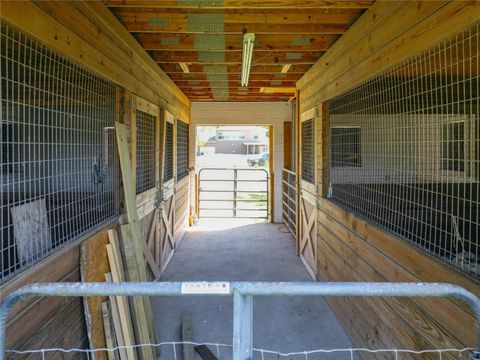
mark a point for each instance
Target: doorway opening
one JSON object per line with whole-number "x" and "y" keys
{"x": 234, "y": 168}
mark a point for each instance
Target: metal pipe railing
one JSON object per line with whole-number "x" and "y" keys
{"x": 243, "y": 293}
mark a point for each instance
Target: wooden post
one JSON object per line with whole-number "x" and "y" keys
{"x": 297, "y": 172}
{"x": 271, "y": 171}
{"x": 323, "y": 144}
{"x": 287, "y": 145}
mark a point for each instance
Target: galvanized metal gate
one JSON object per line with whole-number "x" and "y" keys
{"x": 233, "y": 193}
{"x": 243, "y": 294}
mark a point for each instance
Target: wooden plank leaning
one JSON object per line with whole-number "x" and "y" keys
{"x": 132, "y": 247}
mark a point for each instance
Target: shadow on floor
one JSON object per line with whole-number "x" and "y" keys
{"x": 227, "y": 250}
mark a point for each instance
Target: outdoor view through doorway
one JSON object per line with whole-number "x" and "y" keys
{"x": 233, "y": 165}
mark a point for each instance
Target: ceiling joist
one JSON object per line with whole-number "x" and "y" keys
{"x": 216, "y": 42}
{"x": 269, "y": 69}
{"x": 241, "y": 4}
{"x": 234, "y": 58}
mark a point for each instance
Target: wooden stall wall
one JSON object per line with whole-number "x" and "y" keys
{"x": 351, "y": 249}
{"x": 87, "y": 33}
{"x": 38, "y": 323}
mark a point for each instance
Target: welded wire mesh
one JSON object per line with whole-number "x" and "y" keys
{"x": 308, "y": 151}
{"x": 145, "y": 151}
{"x": 58, "y": 169}
{"x": 405, "y": 150}
{"x": 168, "y": 168}
{"x": 173, "y": 350}
{"x": 182, "y": 150}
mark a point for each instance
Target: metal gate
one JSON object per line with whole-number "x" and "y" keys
{"x": 243, "y": 294}
{"x": 233, "y": 193}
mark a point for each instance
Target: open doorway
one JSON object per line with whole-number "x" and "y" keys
{"x": 233, "y": 165}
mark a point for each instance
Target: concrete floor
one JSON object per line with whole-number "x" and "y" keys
{"x": 229, "y": 250}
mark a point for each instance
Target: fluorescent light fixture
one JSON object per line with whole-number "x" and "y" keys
{"x": 274, "y": 90}
{"x": 285, "y": 68}
{"x": 248, "y": 43}
{"x": 184, "y": 67}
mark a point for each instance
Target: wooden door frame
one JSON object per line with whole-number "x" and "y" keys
{"x": 147, "y": 107}
{"x": 308, "y": 115}
{"x": 307, "y": 192}
{"x": 168, "y": 187}
{"x": 146, "y": 201}
{"x": 271, "y": 174}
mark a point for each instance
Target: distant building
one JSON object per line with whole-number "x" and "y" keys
{"x": 239, "y": 140}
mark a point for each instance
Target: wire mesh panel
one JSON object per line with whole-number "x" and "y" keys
{"x": 405, "y": 150}
{"x": 58, "y": 170}
{"x": 168, "y": 168}
{"x": 182, "y": 150}
{"x": 145, "y": 151}
{"x": 308, "y": 151}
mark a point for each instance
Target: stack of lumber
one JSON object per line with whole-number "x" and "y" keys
{"x": 125, "y": 320}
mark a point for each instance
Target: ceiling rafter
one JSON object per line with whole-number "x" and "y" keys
{"x": 242, "y": 4}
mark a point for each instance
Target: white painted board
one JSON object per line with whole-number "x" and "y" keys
{"x": 30, "y": 226}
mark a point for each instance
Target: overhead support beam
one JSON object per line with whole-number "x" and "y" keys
{"x": 140, "y": 27}
{"x": 234, "y": 58}
{"x": 244, "y": 4}
{"x": 212, "y": 42}
{"x": 277, "y": 90}
{"x": 270, "y": 69}
{"x": 234, "y": 76}
{"x": 234, "y": 83}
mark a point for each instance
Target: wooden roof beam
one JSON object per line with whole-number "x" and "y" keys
{"x": 189, "y": 42}
{"x": 235, "y": 76}
{"x": 244, "y": 4}
{"x": 235, "y": 58}
{"x": 141, "y": 27}
{"x": 235, "y": 69}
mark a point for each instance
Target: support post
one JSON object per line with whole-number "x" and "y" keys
{"x": 235, "y": 177}
{"x": 242, "y": 326}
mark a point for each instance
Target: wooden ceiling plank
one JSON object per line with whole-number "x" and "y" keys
{"x": 237, "y": 29}
{"x": 189, "y": 42}
{"x": 233, "y": 76}
{"x": 260, "y": 58}
{"x": 232, "y": 86}
{"x": 235, "y": 69}
{"x": 178, "y": 19}
{"x": 244, "y": 4}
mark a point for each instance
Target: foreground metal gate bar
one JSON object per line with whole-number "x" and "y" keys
{"x": 233, "y": 193}
{"x": 243, "y": 293}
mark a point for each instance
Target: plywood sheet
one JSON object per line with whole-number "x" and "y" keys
{"x": 94, "y": 266}
{"x": 32, "y": 234}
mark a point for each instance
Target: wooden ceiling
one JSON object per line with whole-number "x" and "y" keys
{"x": 207, "y": 35}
